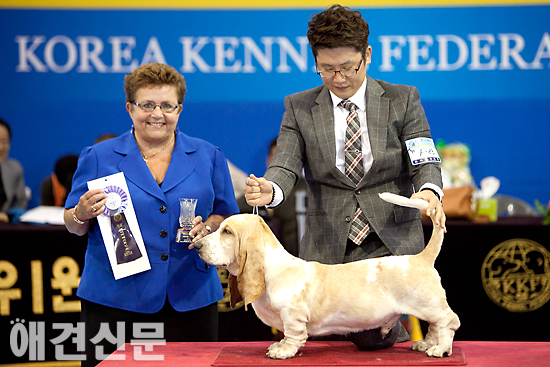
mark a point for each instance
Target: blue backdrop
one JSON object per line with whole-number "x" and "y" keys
{"x": 483, "y": 74}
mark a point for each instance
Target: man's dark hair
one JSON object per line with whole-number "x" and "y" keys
{"x": 338, "y": 26}
{"x": 5, "y": 123}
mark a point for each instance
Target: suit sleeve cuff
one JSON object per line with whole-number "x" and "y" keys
{"x": 278, "y": 198}
{"x": 436, "y": 189}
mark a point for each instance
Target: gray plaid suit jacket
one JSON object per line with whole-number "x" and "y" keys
{"x": 306, "y": 139}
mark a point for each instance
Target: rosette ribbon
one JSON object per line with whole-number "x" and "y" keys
{"x": 126, "y": 248}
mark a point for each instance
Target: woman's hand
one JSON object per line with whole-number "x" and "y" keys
{"x": 91, "y": 204}
{"x": 202, "y": 229}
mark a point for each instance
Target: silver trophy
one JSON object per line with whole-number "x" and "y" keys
{"x": 187, "y": 214}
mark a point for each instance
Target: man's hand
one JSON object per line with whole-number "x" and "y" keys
{"x": 435, "y": 208}
{"x": 258, "y": 191}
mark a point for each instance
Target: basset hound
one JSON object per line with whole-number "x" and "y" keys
{"x": 303, "y": 298}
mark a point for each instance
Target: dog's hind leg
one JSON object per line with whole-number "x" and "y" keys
{"x": 439, "y": 339}
{"x": 429, "y": 341}
{"x": 445, "y": 334}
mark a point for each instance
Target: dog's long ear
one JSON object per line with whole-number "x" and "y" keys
{"x": 235, "y": 295}
{"x": 251, "y": 278}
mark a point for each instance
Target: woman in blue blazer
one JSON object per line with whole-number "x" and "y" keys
{"x": 160, "y": 165}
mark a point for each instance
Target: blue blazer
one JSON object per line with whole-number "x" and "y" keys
{"x": 197, "y": 170}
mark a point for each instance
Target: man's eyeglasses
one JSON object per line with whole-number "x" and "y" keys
{"x": 344, "y": 72}
{"x": 150, "y": 107}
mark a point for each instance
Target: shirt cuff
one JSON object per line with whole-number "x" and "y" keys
{"x": 279, "y": 196}
{"x": 434, "y": 188}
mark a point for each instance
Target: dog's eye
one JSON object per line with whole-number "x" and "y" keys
{"x": 226, "y": 231}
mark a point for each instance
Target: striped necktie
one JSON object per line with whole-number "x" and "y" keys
{"x": 354, "y": 169}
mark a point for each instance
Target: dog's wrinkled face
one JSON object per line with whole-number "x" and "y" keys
{"x": 221, "y": 248}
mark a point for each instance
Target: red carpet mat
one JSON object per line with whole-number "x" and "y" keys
{"x": 336, "y": 355}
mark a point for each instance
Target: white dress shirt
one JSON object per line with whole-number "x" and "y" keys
{"x": 340, "y": 126}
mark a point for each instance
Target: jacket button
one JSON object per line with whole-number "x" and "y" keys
{"x": 162, "y": 209}
{"x": 163, "y": 233}
{"x": 206, "y": 266}
{"x": 358, "y": 192}
{"x": 164, "y": 257}
{"x": 348, "y": 219}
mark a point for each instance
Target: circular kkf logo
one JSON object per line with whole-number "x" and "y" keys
{"x": 516, "y": 275}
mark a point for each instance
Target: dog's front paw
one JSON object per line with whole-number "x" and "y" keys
{"x": 281, "y": 350}
{"x": 420, "y": 346}
{"x": 437, "y": 351}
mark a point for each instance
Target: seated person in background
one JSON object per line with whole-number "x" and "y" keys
{"x": 54, "y": 189}
{"x": 104, "y": 136}
{"x": 12, "y": 183}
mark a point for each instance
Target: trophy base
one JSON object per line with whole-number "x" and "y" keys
{"x": 183, "y": 235}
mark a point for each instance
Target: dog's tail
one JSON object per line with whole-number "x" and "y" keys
{"x": 434, "y": 245}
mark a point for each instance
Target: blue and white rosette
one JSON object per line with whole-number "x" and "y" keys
{"x": 117, "y": 200}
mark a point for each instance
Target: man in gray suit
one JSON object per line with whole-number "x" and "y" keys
{"x": 346, "y": 220}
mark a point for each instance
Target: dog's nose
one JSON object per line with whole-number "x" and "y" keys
{"x": 197, "y": 245}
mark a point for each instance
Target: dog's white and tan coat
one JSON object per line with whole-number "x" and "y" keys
{"x": 304, "y": 298}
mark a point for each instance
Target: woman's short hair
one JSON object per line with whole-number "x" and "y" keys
{"x": 338, "y": 26}
{"x": 153, "y": 73}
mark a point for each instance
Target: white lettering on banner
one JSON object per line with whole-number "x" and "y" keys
{"x": 87, "y": 54}
{"x": 191, "y": 55}
{"x": 27, "y": 55}
{"x": 416, "y": 52}
{"x": 388, "y": 52}
{"x": 478, "y": 51}
{"x": 222, "y": 53}
{"x": 542, "y": 52}
{"x": 121, "y": 53}
{"x": 225, "y": 59}
{"x": 483, "y": 54}
{"x": 443, "y": 41}
{"x": 251, "y": 48}
{"x": 153, "y": 53}
{"x": 288, "y": 50}
{"x": 90, "y": 49}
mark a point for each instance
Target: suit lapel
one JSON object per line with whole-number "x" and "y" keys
{"x": 181, "y": 166}
{"x": 323, "y": 121}
{"x": 377, "y": 125}
{"x": 134, "y": 167}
